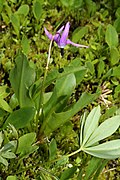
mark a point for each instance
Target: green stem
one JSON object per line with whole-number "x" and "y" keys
{"x": 40, "y": 108}
{"x": 75, "y": 152}
{"x": 69, "y": 155}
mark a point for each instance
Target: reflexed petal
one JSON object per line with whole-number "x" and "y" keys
{"x": 50, "y": 36}
{"x": 63, "y": 39}
{"x": 57, "y": 35}
{"x": 77, "y": 45}
{"x": 60, "y": 30}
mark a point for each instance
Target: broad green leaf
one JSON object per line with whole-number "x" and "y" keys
{"x": 54, "y": 74}
{"x": 4, "y": 105}
{"x": 3, "y": 161}
{"x": 79, "y": 33}
{"x": 67, "y": 3}
{"x": 16, "y": 23}
{"x": 91, "y": 124}
{"x": 77, "y": 3}
{"x": 21, "y": 118}
{"x": 8, "y": 155}
{"x": 62, "y": 91}
{"x": 114, "y": 56}
{"x": 52, "y": 149}
{"x": 58, "y": 119}
{"x": 116, "y": 71}
{"x": 111, "y": 36}
{"x": 37, "y": 9}
{"x": 25, "y": 45}
{"x": 106, "y": 129}
{"x": 11, "y": 178}
{"x": 9, "y": 146}
{"x": 25, "y": 145}
{"x": 23, "y": 9}
{"x": 58, "y": 100}
{"x": 68, "y": 173}
{"x": 107, "y": 150}
{"x": 93, "y": 166}
{"x": 22, "y": 77}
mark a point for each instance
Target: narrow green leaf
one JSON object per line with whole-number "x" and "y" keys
{"x": 37, "y": 9}
{"x": 114, "y": 56}
{"x": 1, "y": 138}
{"x": 81, "y": 128}
{"x": 22, "y": 77}
{"x": 1, "y": 5}
{"x": 3, "y": 92}
{"x": 117, "y": 24}
{"x": 16, "y": 23}
{"x": 91, "y": 123}
{"x": 21, "y": 118}
{"x": 4, "y": 105}
{"x": 68, "y": 173}
{"x": 92, "y": 167}
{"x": 106, "y": 129}
{"x": 100, "y": 68}
{"x": 52, "y": 149}
{"x": 58, "y": 119}
{"x": 3, "y": 161}
{"x": 8, "y": 155}
{"x": 111, "y": 36}
{"x": 100, "y": 168}
{"x": 107, "y": 150}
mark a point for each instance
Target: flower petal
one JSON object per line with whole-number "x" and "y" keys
{"x": 50, "y": 36}
{"x": 77, "y": 45}
{"x": 63, "y": 39}
{"x": 57, "y": 35}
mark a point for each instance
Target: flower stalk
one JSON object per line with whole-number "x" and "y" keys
{"x": 40, "y": 108}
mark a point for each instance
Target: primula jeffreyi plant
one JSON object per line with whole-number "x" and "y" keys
{"x": 40, "y": 113}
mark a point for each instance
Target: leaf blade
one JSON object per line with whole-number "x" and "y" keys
{"x": 107, "y": 128}
{"x": 91, "y": 123}
{"x": 107, "y": 150}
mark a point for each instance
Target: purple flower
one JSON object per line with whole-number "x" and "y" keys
{"x": 61, "y": 37}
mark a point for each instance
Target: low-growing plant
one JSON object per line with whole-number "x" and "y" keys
{"x": 37, "y": 108}
{"x": 59, "y": 119}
